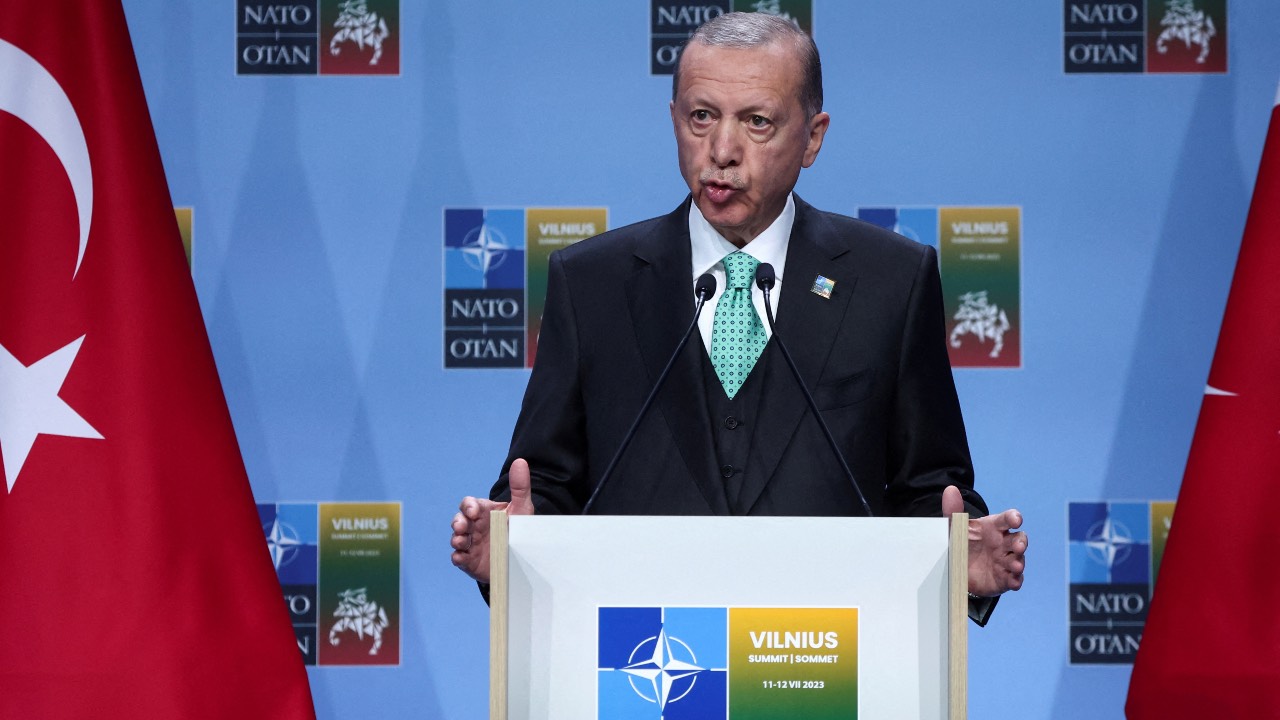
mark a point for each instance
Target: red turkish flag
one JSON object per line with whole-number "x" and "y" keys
{"x": 1211, "y": 647}
{"x": 134, "y": 577}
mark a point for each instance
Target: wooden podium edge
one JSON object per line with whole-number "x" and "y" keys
{"x": 958, "y": 616}
{"x": 499, "y": 611}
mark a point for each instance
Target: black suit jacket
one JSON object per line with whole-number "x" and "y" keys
{"x": 873, "y": 353}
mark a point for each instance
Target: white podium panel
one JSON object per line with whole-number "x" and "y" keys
{"x": 888, "y": 576}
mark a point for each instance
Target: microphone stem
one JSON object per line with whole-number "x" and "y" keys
{"x": 644, "y": 409}
{"x": 813, "y": 406}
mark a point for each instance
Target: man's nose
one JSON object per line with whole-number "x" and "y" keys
{"x": 726, "y": 144}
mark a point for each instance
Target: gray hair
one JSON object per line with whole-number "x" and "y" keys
{"x": 755, "y": 29}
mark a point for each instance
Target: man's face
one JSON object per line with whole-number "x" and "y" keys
{"x": 742, "y": 133}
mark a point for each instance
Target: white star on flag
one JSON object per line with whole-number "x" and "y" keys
{"x": 30, "y": 406}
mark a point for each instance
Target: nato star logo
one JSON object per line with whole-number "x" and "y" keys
{"x": 282, "y": 543}
{"x": 292, "y": 534}
{"x": 485, "y": 249}
{"x": 659, "y": 663}
{"x": 1109, "y": 542}
{"x": 662, "y": 670}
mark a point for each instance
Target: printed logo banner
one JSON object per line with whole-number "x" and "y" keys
{"x": 671, "y": 23}
{"x": 704, "y": 663}
{"x": 293, "y": 539}
{"x": 339, "y": 569}
{"x": 548, "y": 230}
{"x": 184, "y": 216}
{"x": 318, "y": 37}
{"x": 1114, "y": 551}
{"x": 1154, "y": 36}
{"x": 980, "y": 261}
{"x": 495, "y": 279}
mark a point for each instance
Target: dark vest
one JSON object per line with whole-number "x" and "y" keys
{"x": 733, "y": 423}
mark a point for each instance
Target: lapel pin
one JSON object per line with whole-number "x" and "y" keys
{"x": 822, "y": 287}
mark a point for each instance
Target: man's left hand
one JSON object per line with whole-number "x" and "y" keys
{"x": 997, "y": 554}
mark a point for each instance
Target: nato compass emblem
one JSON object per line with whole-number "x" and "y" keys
{"x": 282, "y": 542}
{"x": 655, "y": 661}
{"x": 484, "y": 249}
{"x": 1109, "y": 542}
{"x": 667, "y": 663}
{"x": 292, "y": 534}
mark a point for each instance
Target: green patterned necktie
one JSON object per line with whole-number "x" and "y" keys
{"x": 737, "y": 335}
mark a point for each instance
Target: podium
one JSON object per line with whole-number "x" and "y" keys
{"x": 727, "y": 617}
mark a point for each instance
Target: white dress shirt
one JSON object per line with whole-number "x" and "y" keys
{"x": 710, "y": 248}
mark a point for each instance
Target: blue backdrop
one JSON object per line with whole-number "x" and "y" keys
{"x": 318, "y": 244}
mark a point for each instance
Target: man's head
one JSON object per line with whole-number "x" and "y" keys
{"x": 746, "y": 30}
{"x": 747, "y": 111}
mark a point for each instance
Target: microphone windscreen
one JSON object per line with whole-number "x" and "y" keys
{"x": 764, "y": 276}
{"x": 705, "y": 287}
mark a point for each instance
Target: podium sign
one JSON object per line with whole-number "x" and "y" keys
{"x": 617, "y": 617}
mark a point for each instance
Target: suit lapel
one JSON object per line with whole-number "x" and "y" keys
{"x": 660, "y": 298}
{"x": 808, "y": 323}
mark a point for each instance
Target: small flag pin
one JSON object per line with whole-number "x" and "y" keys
{"x": 822, "y": 287}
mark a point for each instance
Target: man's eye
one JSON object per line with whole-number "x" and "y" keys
{"x": 759, "y": 121}
{"x": 701, "y": 115}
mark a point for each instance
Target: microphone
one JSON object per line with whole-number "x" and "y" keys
{"x": 703, "y": 290}
{"x": 764, "y": 280}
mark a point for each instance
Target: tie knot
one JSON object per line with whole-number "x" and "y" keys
{"x": 740, "y": 269}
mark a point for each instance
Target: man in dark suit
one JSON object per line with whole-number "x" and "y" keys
{"x": 730, "y": 433}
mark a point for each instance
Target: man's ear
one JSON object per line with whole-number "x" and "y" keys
{"x": 817, "y": 131}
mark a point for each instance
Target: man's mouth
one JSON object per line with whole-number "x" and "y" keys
{"x": 720, "y": 186}
{"x": 719, "y": 194}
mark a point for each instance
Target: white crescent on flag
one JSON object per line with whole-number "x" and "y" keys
{"x": 30, "y": 93}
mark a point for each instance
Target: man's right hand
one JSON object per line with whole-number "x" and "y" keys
{"x": 470, "y": 540}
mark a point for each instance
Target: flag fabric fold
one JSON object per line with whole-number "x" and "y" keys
{"x": 1211, "y": 646}
{"x": 134, "y": 580}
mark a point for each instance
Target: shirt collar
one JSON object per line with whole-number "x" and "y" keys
{"x": 709, "y": 247}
